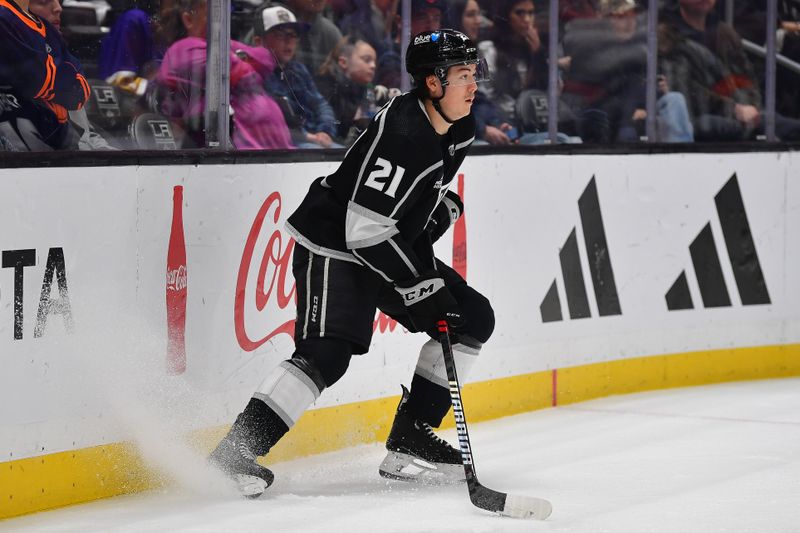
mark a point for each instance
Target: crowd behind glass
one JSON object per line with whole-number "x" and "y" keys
{"x": 310, "y": 74}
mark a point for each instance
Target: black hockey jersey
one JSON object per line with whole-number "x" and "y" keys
{"x": 375, "y": 206}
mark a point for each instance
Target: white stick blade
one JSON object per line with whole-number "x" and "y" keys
{"x": 526, "y": 507}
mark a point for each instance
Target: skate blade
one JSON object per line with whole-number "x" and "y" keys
{"x": 250, "y": 486}
{"x": 404, "y": 467}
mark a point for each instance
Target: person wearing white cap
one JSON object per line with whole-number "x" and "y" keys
{"x": 310, "y": 117}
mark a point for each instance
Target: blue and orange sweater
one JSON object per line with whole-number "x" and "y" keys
{"x": 40, "y": 80}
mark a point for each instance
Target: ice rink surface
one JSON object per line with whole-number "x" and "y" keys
{"x": 721, "y": 458}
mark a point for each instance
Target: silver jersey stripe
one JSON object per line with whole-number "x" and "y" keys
{"x": 375, "y": 141}
{"x": 366, "y": 263}
{"x": 459, "y": 146}
{"x": 413, "y": 185}
{"x": 308, "y": 293}
{"x": 404, "y": 257}
{"x": 303, "y": 241}
{"x": 324, "y": 297}
{"x": 364, "y": 227}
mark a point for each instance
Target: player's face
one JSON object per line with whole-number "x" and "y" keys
{"x": 460, "y": 93}
{"x": 49, "y": 10}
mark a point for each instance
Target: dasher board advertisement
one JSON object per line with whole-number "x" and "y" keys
{"x": 169, "y": 288}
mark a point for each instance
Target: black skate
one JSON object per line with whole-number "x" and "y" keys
{"x": 239, "y": 463}
{"x": 415, "y": 453}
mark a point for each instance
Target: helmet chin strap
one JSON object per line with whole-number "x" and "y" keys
{"x": 437, "y": 106}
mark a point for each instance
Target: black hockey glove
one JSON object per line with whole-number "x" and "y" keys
{"x": 445, "y": 215}
{"x": 428, "y": 301}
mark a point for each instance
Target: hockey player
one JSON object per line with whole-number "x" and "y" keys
{"x": 39, "y": 81}
{"x": 364, "y": 241}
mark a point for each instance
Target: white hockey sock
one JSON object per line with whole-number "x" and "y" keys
{"x": 430, "y": 364}
{"x": 288, "y": 391}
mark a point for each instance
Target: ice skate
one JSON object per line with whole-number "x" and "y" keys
{"x": 415, "y": 453}
{"x": 237, "y": 461}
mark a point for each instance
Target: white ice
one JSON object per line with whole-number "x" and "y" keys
{"x": 721, "y": 458}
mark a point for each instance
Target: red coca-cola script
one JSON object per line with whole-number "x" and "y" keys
{"x": 274, "y": 274}
{"x": 274, "y": 281}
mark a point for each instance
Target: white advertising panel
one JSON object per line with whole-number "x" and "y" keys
{"x": 584, "y": 258}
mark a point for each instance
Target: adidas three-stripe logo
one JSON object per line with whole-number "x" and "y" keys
{"x": 742, "y": 253}
{"x": 600, "y": 269}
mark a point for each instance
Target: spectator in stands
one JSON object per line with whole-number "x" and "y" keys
{"x": 129, "y": 54}
{"x": 88, "y": 137}
{"x": 39, "y": 82}
{"x": 517, "y": 60}
{"x": 426, "y": 15}
{"x": 343, "y": 80}
{"x": 309, "y": 116}
{"x": 466, "y": 14}
{"x": 490, "y": 127}
{"x": 704, "y": 59}
{"x": 180, "y": 84}
{"x": 321, "y": 37}
{"x": 370, "y": 20}
{"x": 606, "y": 85}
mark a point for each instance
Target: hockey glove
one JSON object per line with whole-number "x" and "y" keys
{"x": 428, "y": 301}
{"x": 446, "y": 213}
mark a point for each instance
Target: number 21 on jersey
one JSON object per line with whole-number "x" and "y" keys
{"x": 385, "y": 177}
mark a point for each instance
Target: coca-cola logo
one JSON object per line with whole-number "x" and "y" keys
{"x": 176, "y": 279}
{"x": 274, "y": 274}
{"x": 274, "y": 283}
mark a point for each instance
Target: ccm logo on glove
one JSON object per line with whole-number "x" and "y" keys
{"x": 421, "y": 290}
{"x": 428, "y": 301}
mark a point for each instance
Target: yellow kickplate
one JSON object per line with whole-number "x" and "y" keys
{"x": 59, "y": 479}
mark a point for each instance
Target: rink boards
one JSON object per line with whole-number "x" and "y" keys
{"x": 608, "y": 274}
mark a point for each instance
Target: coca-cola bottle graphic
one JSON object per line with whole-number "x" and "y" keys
{"x": 176, "y": 288}
{"x": 460, "y": 237}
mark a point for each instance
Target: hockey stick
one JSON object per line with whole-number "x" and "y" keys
{"x": 483, "y": 497}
